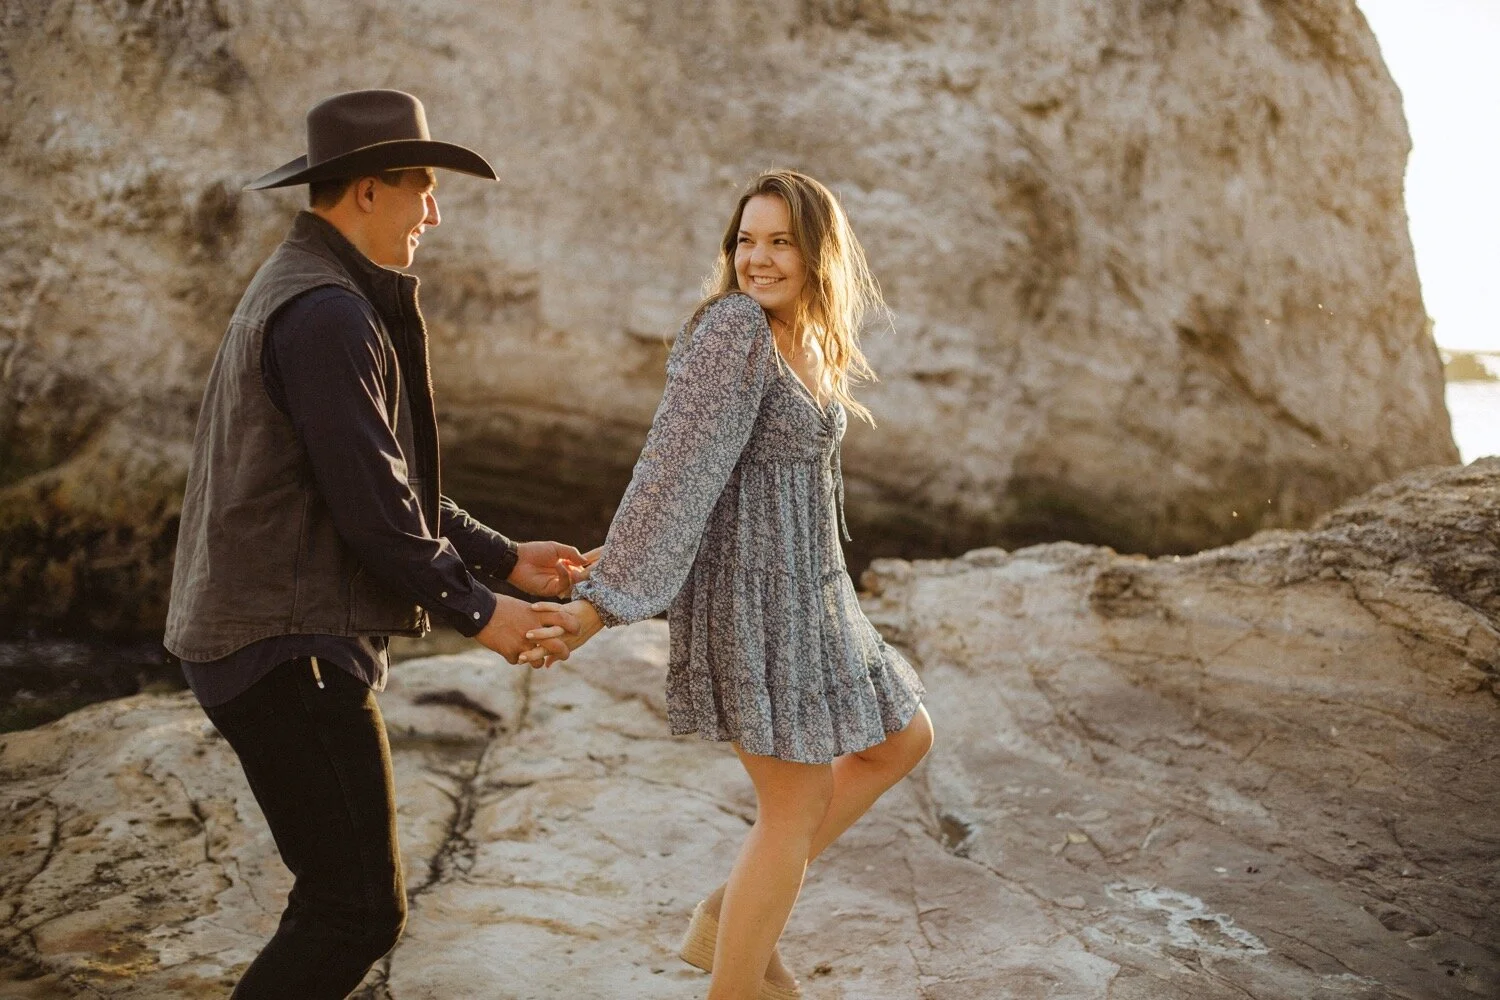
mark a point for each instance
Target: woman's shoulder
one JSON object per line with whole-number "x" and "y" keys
{"x": 734, "y": 311}
{"x": 729, "y": 324}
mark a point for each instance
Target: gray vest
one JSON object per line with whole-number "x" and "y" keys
{"x": 257, "y": 553}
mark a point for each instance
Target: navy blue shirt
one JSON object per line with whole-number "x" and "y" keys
{"x": 320, "y": 363}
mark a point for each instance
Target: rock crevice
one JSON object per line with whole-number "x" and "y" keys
{"x": 1263, "y": 771}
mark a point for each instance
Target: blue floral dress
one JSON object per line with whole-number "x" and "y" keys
{"x": 733, "y": 519}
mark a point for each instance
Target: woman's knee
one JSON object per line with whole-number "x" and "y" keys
{"x": 903, "y": 750}
{"x": 796, "y": 813}
{"x": 790, "y": 794}
{"x": 919, "y": 736}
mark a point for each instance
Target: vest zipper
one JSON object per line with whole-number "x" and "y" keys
{"x": 317, "y": 674}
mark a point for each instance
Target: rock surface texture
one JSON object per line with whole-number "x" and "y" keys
{"x": 1266, "y": 772}
{"x": 1149, "y": 260}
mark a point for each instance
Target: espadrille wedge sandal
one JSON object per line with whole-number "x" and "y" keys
{"x": 698, "y": 951}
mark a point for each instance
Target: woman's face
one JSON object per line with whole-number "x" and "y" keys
{"x": 767, "y": 262}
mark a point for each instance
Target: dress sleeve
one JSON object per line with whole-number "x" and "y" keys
{"x": 716, "y": 377}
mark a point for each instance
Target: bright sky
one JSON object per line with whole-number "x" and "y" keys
{"x": 1445, "y": 56}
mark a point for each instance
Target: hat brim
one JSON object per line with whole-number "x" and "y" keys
{"x": 398, "y": 154}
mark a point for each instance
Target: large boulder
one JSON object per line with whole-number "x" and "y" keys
{"x": 1264, "y": 771}
{"x": 1149, "y": 261}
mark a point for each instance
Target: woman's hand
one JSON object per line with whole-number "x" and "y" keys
{"x": 578, "y": 572}
{"x": 581, "y": 611}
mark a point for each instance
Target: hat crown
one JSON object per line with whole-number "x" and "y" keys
{"x": 365, "y": 132}
{"x": 361, "y": 118}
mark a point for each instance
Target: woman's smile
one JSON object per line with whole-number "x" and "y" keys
{"x": 767, "y": 263}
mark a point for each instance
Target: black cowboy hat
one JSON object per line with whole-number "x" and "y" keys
{"x": 367, "y": 132}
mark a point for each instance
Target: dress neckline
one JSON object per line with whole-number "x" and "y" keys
{"x": 785, "y": 366}
{"x": 806, "y": 393}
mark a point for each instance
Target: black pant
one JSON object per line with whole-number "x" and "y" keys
{"x": 319, "y": 764}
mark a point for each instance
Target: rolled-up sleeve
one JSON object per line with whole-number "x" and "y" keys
{"x": 323, "y": 364}
{"x": 716, "y": 377}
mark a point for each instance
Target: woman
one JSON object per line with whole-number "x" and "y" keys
{"x": 733, "y": 517}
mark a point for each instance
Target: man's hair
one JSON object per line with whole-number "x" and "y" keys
{"x": 326, "y": 194}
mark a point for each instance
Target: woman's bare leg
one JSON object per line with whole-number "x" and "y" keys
{"x": 791, "y": 801}
{"x": 859, "y": 779}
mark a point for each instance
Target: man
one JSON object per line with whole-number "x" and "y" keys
{"x": 313, "y": 528}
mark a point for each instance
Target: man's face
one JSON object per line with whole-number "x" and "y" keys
{"x": 401, "y": 214}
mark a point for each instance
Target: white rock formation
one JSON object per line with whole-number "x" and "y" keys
{"x": 1266, "y": 771}
{"x": 1149, "y": 260}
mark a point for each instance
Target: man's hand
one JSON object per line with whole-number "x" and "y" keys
{"x": 506, "y": 631}
{"x": 543, "y": 653}
{"x": 549, "y": 569}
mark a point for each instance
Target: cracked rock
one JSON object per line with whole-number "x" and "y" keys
{"x": 1118, "y": 806}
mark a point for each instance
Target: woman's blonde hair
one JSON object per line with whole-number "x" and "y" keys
{"x": 840, "y": 291}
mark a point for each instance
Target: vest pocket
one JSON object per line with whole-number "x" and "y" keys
{"x": 375, "y": 609}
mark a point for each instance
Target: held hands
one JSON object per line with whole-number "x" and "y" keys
{"x": 541, "y": 634}
{"x": 510, "y": 629}
{"x": 550, "y": 636}
{"x": 549, "y": 569}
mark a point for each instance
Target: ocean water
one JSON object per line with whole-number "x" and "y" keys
{"x": 1475, "y": 410}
